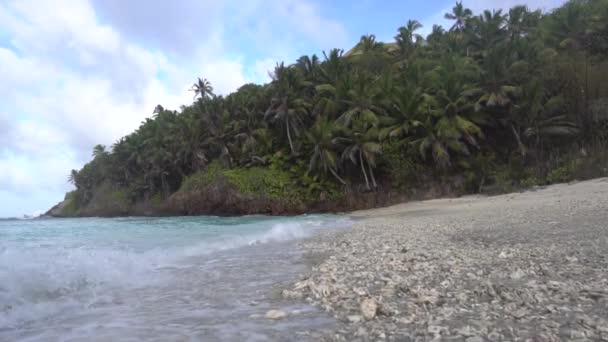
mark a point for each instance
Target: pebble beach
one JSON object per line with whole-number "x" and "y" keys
{"x": 530, "y": 266}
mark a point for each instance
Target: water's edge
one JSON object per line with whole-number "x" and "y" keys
{"x": 222, "y": 294}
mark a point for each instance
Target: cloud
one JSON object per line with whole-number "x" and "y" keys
{"x": 23, "y": 175}
{"x": 6, "y": 132}
{"x": 262, "y": 70}
{"x": 172, "y": 26}
{"x": 76, "y": 73}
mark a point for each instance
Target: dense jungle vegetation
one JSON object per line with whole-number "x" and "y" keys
{"x": 500, "y": 99}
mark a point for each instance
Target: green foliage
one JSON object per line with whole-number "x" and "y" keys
{"x": 530, "y": 182}
{"x": 563, "y": 173}
{"x": 492, "y": 97}
{"x": 318, "y": 188}
{"x": 478, "y": 171}
{"x": 264, "y": 183}
{"x": 401, "y": 163}
{"x": 120, "y": 198}
{"x": 202, "y": 179}
{"x": 272, "y": 182}
{"x": 70, "y": 209}
{"x": 156, "y": 200}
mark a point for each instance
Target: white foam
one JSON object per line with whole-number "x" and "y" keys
{"x": 41, "y": 279}
{"x": 279, "y": 232}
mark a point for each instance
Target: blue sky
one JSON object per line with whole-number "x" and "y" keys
{"x": 76, "y": 73}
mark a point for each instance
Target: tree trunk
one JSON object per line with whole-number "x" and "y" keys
{"x": 164, "y": 185}
{"x": 520, "y": 145}
{"x": 293, "y": 152}
{"x": 481, "y": 184}
{"x": 371, "y": 174}
{"x": 363, "y": 169}
{"x": 333, "y": 172}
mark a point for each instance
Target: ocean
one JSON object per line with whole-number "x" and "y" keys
{"x": 155, "y": 279}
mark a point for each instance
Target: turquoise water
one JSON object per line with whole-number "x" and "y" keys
{"x": 150, "y": 278}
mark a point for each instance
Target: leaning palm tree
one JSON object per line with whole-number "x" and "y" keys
{"x": 324, "y": 155}
{"x": 287, "y": 107}
{"x": 539, "y": 117}
{"x": 460, "y": 15}
{"x": 361, "y": 147}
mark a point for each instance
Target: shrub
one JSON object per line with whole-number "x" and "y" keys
{"x": 202, "y": 179}
{"x": 563, "y": 173}
{"x": 263, "y": 182}
{"x": 271, "y": 182}
{"x": 156, "y": 200}
{"x": 401, "y": 163}
{"x": 120, "y": 199}
{"x": 71, "y": 207}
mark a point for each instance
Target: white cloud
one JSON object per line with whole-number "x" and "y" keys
{"x": 80, "y": 72}
{"x": 24, "y": 175}
{"x": 262, "y": 69}
{"x": 225, "y": 75}
{"x": 59, "y": 22}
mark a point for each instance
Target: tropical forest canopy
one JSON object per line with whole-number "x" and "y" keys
{"x": 515, "y": 97}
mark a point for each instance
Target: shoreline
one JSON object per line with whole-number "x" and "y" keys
{"x": 508, "y": 267}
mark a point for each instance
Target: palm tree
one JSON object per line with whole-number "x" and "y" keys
{"x": 203, "y": 89}
{"x": 332, "y": 68}
{"x": 361, "y": 147}
{"x": 435, "y": 38}
{"x": 287, "y": 107}
{"x": 361, "y": 100}
{"x": 488, "y": 31}
{"x": 309, "y": 67}
{"x": 460, "y": 15}
{"x": 449, "y": 123}
{"x": 371, "y": 55}
{"x": 497, "y": 89}
{"x": 72, "y": 178}
{"x": 444, "y": 137}
{"x": 407, "y": 38}
{"x": 99, "y": 151}
{"x": 406, "y": 105}
{"x": 519, "y": 21}
{"x": 539, "y": 117}
{"x": 323, "y": 156}
{"x": 367, "y": 44}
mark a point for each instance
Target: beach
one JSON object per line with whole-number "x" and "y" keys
{"x": 515, "y": 267}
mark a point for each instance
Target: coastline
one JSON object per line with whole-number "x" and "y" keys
{"x": 516, "y": 266}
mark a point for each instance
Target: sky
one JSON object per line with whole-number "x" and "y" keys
{"x": 76, "y": 73}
